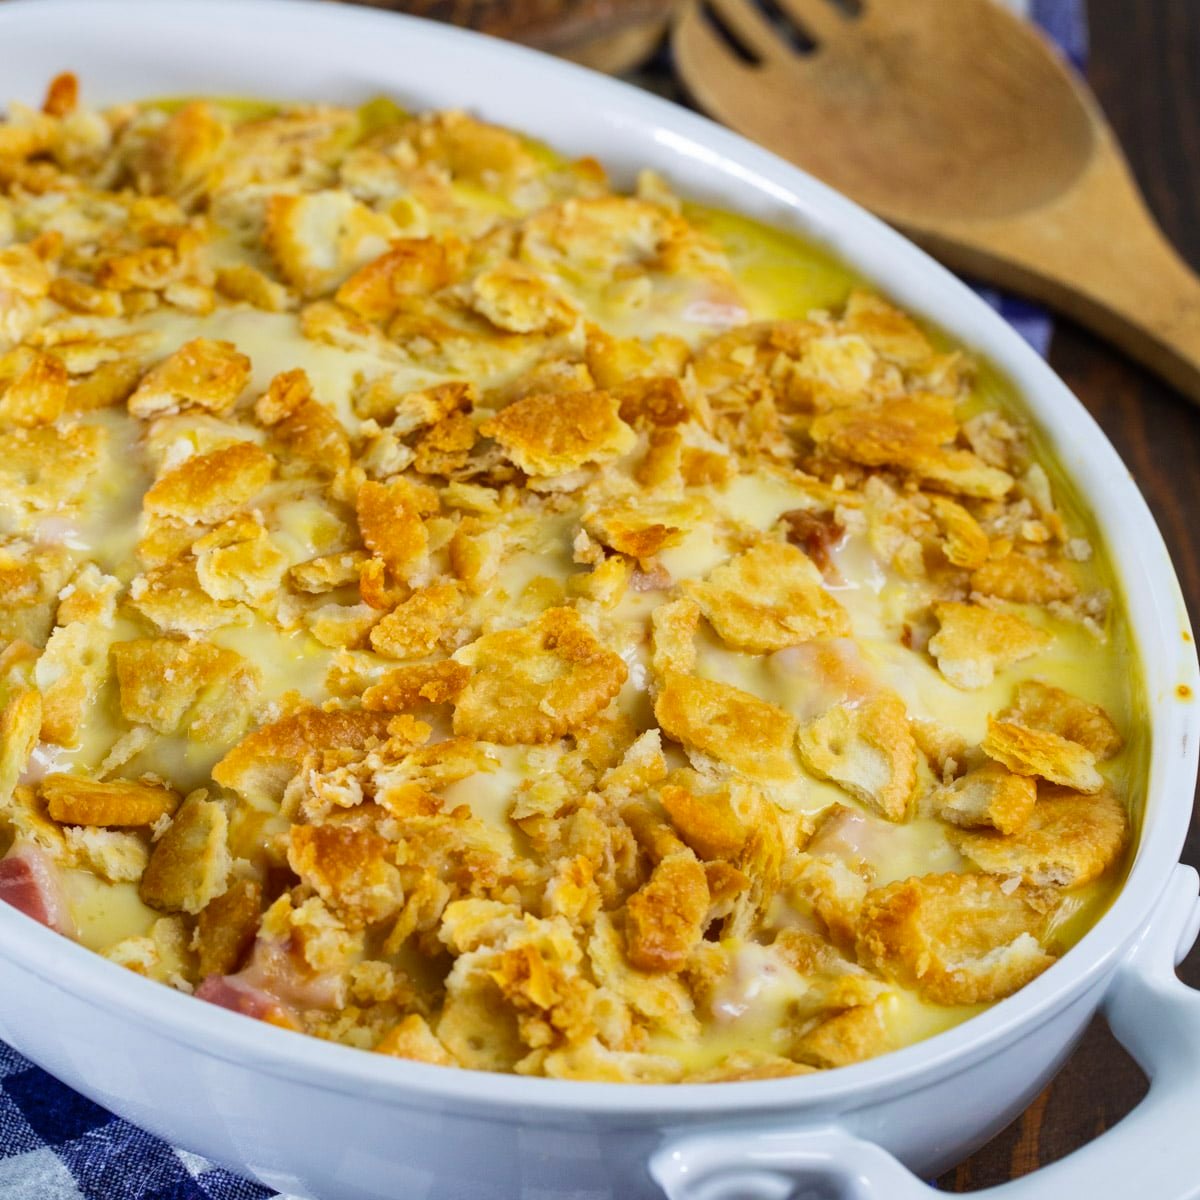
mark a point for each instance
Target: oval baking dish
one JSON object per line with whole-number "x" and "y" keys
{"x": 321, "y": 1120}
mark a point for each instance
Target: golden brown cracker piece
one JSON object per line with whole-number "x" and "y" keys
{"x": 178, "y": 154}
{"x": 913, "y": 434}
{"x": 966, "y": 545}
{"x": 172, "y": 683}
{"x": 536, "y": 683}
{"x": 1039, "y": 706}
{"x": 957, "y": 939}
{"x": 410, "y": 267}
{"x": 641, "y": 527}
{"x": 1027, "y": 751}
{"x": 867, "y": 749}
{"x": 974, "y": 642}
{"x": 1024, "y": 580}
{"x": 114, "y": 855}
{"x": 406, "y": 688}
{"x": 554, "y": 434}
{"x": 210, "y": 487}
{"x": 298, "y": 421}
{"x": 768, "y": 598}
{"x": 241, "y": 281}
{"x": 706, "y": 821}
{"x": 517, "y": 300}
{"x": 445, "y": 448}
{"x": 664, "y": 919}
{"x": 74, "y": 800}
{"x": 204, "y": 374}
{"x": 46, "y": 470}
{"x": 476, "y": 552}
{"x": 389, "y": 518}
{"x": 988, "y": 796}
{"x": 319, "y": 238}
{"x": 33, "y": 388}
{"x": 62, "y": 95}
{"x": 413, "y": 1039}
{"x": 191, "y": 861}
{"x": 847, "y": 1037}
{"x": 673, "y": 637}
{"x": 239, "y": 562}
{"x": 327, "y": 572}
{"x": 728, "y": 724}
{"x": 424, "y": 623}
{"x": 659, "y": 998}
{"x": 260, "y": 766}
{"x": 20, "y": 726}
{"x": 1067, "y": 841}
{"x": 889, "y": 331}
{"x": 349, "y": 870}
{"x": 226, "y": 926}
{"x": 171, "y": 598}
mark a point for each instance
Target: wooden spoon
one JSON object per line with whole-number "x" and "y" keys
{"x": 957, "y": 122}
{"x": 607, "y": 35}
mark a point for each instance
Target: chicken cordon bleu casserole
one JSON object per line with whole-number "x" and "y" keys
{"x": 458, "y": 609}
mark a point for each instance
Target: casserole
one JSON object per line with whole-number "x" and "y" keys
{"x": 547, "y": 699}
{"x": 304, "y": 1118}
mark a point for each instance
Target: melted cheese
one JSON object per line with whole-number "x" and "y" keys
{"x": 785, "y": 278}
{"x": 779, "y": 277}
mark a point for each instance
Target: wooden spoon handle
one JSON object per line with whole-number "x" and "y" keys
{"x": 1097, "y": 255}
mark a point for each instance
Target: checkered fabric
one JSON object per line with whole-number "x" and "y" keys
{"x": 56, "y": 1145}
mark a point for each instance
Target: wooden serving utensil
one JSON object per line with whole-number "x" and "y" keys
{"x": 607, "y": 35}
{"x": 955, "y": 121}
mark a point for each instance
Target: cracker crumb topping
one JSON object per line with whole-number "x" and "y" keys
{"x": 470, "y": 614}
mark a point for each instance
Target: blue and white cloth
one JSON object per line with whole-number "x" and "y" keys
{"x": 56, "y": 1145}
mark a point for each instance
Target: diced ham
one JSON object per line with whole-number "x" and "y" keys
{"x": 272, "y": 986}
{"x": 656, "y": 580}
{"x": 863, "y": 842}
{"x": 31, "y": 882}
{"x": 818, "y": 534}
{"x": 832, "y": 671}
{"x": 42, "y": 762}
{"x": 58, "y": 531}
{"x": 237, "y": 995}
{"x": 717, "y": 305}
{"x": 274, "y": 970}
{"x": 844, "y": 834}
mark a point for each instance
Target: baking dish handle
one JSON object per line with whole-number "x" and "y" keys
{"x": 1153, "y": 1152}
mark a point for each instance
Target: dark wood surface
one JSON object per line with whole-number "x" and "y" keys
{"x": 1143, "y": 67}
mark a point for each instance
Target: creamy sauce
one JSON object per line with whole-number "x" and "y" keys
{"x": 784, "y": 278}
{"x": 780, "y": 277}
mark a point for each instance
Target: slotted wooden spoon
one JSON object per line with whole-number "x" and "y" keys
{"x": 955, "y": 121}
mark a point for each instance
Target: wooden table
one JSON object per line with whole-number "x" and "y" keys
{"x": 1143, "y": 68}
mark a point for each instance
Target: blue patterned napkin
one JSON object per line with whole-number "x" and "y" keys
{"x": 56, "y": 1145}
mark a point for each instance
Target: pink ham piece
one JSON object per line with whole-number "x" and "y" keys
{"x": 657, "y": 580}
{"x": 272, "y": 986}
{"x": 273, "y": 969}
{"x": 31, "y": 882}
{"x": 235, "y": 994}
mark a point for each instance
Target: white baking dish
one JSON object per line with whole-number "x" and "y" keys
{"x": 321, "y": 1120}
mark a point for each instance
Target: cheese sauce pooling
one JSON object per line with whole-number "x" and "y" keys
{"x": 594, "y": 635}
